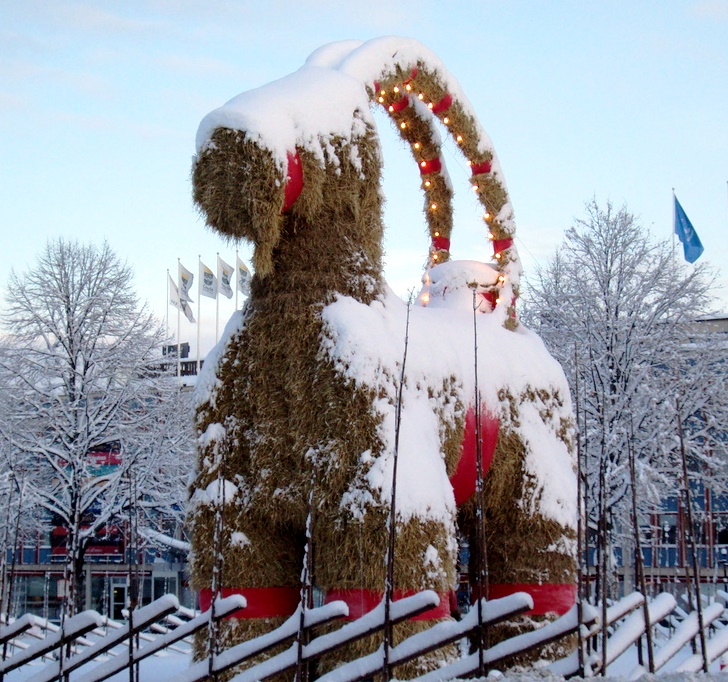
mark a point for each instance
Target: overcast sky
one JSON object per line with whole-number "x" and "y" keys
{"x": 100, "y": 102}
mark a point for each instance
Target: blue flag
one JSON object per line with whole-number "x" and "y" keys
{"x": 685, "y": 231}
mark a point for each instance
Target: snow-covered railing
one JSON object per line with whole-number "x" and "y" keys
{"x": 369, "y": 623}
{"x": 73, "y": 628}
{"x": 18, "y": 627}
{"x": 421, "y": 643}
{"x": 142, "y": 620}
{"x": 563, "y": 626}
{"x": 245, "y": 650}
{"x": 223, "y": 607}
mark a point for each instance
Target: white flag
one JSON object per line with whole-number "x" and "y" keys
{"x": 175, "y": 300}
{"x": 185, "y": 283}
{"x": 208, "y": 282}
{"x": 243, "y": 278}
{"x": 224, "y": 277}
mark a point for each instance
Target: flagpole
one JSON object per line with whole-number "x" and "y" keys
{"x": 217, "y": 302}
{"x": 179, "y": 309}
{"x": 199, "y": 317}
{"x": 673, "y": 226}
{"x": 166, "y": 319}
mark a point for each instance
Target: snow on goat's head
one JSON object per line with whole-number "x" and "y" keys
{"x": 247, "y": 171}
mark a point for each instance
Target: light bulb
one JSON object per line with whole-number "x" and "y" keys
{"x": 421, "y": 96}
{"x": 382, "y": 92}
{"x": 391, "y": 108}
{"x": 497, "y": 301}
{"x": 459, "y": 138}
{"x": 403, "y": 125}
{"x": 486, "y": 216}
{"x": 423, "y": 164}
{"x": 408, "y": 87}
{"x": 446, "y": 120}
{"x": 491, "y": 235}
{"x": 425, "y": 298}
{"x": 430, "y": 106}
{"x": 497, "y": 255}
{"x": 381, "y": 100}
{"x": 416, "y": 145}
{"x": 396, "y": 89}
{"x": 434, "y": 256}
{"x": 433, "y": 206}
{"x": 427, "y": 183}
{"x": 437, "y": 234}
{"x": 475, "y": 188}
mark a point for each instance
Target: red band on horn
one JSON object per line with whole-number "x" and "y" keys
{"x": 399, "y": 105}
{"x": 443, "y": 105}
{"x": 431, "y": 166}
{"x": 502, "y": 244}
{"x": 480, "y": 168}
{"x": 441, "y": 243}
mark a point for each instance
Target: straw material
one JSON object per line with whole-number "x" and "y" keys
{"x": 285, "y": 415}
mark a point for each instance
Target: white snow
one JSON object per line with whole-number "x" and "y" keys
{"x": 367, "y": 344}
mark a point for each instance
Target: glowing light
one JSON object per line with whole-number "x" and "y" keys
{"x": 396, "y": 89}
{"x": 408, "y": 87}
{"x": 433, "y": 206}
{"x": 434, "y": 256}
{"x": 475, "y": 188}
{"x": 486, "y": 216}
{"x": 437, "y": 234}
{"x": 403, "y": 125}
{"x": 502, "y": 279}
{"x": 425, "y": 298}
{"x": 459, "y": 138}
{"x": 498, "y": 255}
{"x": 446, "y": 120}
{"x": 416, "y": 145}
{"x": 497, "y": 301}
{"x": 381, "y": 100}
{"x": 430, "y": 106}
{"x": 421, "y": 96}
{"x": 423, "y": 164}
{"x": 382, "y": 92}
{"x": 391, "y": 108}
{"x": 427, "y": 183}
{"x": 491, "y": 235}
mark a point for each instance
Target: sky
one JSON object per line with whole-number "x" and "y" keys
{"x": 619, "y": 100}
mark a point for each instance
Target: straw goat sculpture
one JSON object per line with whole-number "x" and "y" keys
{"x": 297, "y": 406}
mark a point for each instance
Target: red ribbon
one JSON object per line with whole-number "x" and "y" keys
{"x": 361, "y": 602}
{"x": 399, "y": 105}
{"x": 443, "y": 105}
{"x": 294, "y": 181}
{"x": 491, "y": 297}
{"x": 547, "y": 597}
{"x": 502, "y": 244}
{"x": 441, "y": 243}
{"x": 480, "y": 168}
{"x": 413, "y": 76}
{"x": 464, "y": 479}
{"x": 431, "y": 166}
{"x": 263, "y": 602}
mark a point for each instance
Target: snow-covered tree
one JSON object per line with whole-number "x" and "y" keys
{"x": 91, "y": 420}
{"x": 619, "y": 311}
